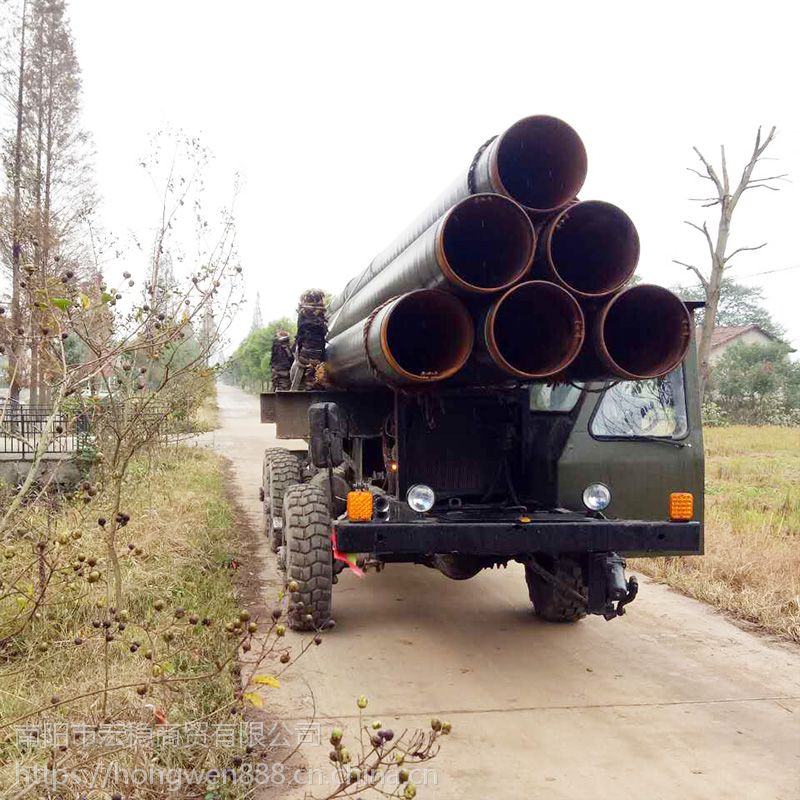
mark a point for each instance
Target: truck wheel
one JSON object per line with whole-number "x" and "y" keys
{"x": 309, "y": 557}
{"x": 548, "y": 602}
{"x": 282, "y": 471}
{"x": 269, "y": 454}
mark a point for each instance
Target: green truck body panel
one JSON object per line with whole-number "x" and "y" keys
{"x": 640, "y": 474}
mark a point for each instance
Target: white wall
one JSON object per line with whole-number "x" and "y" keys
{"x": 748, "y": 337}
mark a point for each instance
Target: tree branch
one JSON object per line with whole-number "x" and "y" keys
{"x": 770, "y": 136}
{"x": 745, "y": 182}
{"x": 761, "y": 186}
{"x": 706, "y": 234}
{"x": 742, "y": 250}
{"x": 784, "y": 176}
{"x": 711, "y": 173}
{"x": 725, "y": 181}
{"x": 699, "y": 174}
{"x": 694, "y": 269}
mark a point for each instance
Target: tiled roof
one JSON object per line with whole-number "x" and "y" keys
{"x": 726, "y": 333}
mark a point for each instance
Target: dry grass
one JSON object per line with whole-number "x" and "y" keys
{"x": 182, "y": 530}
{"x": 206, "y": 417}
{"x": 751, "y": 568}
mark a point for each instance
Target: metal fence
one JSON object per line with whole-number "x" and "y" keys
{"x": 22, "y": 428}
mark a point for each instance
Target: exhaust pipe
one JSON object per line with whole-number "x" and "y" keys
{"x": 539, "y": 161}
{"x": 419, "y": 337}
{"x": 534, "y": 330}
{"x": 484, "y": 243}
{"x": 643, "y": 332}
{"x": 590, "y": 248}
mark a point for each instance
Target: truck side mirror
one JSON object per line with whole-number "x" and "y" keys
{"x": 326, "y": 431}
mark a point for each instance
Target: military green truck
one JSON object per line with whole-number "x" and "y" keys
{"x": 494, "y": 387}
{"x": 568, "y": 480}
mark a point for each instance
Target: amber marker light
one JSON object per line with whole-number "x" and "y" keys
{"x": 681, "y": 506}
{"x": 359, "y": 506}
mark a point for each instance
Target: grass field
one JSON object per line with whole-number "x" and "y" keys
{"x": 177, "y": 550}
{"x": 751, "y": 568}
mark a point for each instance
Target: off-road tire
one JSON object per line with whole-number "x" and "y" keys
{"x": 282, "y": 470}
{"x": 548, "y": 602}
{"x": 309, "y": 556}
{"x": 269, "y": 454}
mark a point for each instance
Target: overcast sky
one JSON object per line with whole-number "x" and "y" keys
{"x": 344, "y": 119}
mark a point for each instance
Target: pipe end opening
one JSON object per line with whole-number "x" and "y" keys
{"x": 487, "y": 242}
{"x": 536, "y": 330}
{"x": 541, "y": 162}
{"x": 593, "y": 247}
{"x": 428, "y": 336}
{"x": 646, "y": 332}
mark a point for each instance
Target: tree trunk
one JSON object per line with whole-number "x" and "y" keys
{"x": 15, "y": 354}
{"x": 706, "y": 336}
{"x": 47, "y": 232}
{"x": 37, "y": 279}
{"x": 713, "y": 294}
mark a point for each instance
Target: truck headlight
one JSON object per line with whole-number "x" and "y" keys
{"x": 596, "y": 497}
{"x": 420, "y": 498}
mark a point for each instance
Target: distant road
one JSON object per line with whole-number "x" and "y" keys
{"x": 670, "y": 702}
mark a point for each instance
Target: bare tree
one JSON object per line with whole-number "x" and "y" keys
{"x": 47, "y": 161}
{"x": 16, "y": 181}
{"x": 720, "y": 260}
{"x": 60, "y": 162}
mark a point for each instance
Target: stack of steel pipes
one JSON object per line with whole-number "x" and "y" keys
{"x": 508, "y": 276}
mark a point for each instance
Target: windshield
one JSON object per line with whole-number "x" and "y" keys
{"x": 634, "y": 409}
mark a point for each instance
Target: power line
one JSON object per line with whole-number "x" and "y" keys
{"x": 770, "y": 271}
{"x": 750, "y": 275}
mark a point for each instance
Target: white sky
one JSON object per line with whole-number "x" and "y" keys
{"x": 344, "y": 119}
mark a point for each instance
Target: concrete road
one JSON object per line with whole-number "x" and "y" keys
{"x": 671, "y": 701}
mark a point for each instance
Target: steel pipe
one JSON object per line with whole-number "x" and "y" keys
{"x": 533, "y": 331}
{"x": 643, "y": 332}
{"x": 590, "y": 248}
{"x": 420, "y": 337}
{"x": 484, "y": 243}
{"x": 539, "y": 161}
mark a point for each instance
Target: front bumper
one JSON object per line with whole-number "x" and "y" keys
{"x": 574, "y": 534}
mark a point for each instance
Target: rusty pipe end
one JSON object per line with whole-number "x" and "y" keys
{"x": 643, "y": 332}
{"x": 540, "y": 162}
{"x": 534, "y": 330}
{"x": 485, "y": 243}
{"x": 591, "y": 248}
{"x": 426, "y": 336}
